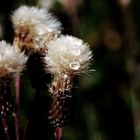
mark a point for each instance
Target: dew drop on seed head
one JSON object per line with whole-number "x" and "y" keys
{"x": 75, "y": 65}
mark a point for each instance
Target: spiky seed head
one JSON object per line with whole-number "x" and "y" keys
{"x": 12, "y": 61}
{"x": 66, "y": 57}
{"x": 68, "y": 54}
{"x": 35, "y": 24}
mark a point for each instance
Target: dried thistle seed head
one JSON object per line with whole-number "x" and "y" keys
{"x": 33, "y": 25}
{"x": 66, "y": 57}
{"x": 12, "y": 61}
{"x": 68, "y": 54}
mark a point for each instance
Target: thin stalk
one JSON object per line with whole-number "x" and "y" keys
{"x": 16, "y": 115}
{"x": 58, "y": 132}
{"x": 25, "y": 129}
{"x": 5, "y": 126}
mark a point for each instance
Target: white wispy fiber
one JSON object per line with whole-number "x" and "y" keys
{"x": 12, "y": 61}
{"x": 39, "y": 21}
{"x": 68, "y": 54}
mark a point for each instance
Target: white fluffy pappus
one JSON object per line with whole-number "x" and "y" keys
{"x": 37, "y": 18}
{"x": 12, "y": 61}
{"x": 68, "y": 54}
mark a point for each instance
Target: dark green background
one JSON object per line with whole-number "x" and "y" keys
{"x": 107, "y": 101}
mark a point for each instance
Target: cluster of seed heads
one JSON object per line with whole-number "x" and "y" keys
{"x": 64, "y": 57}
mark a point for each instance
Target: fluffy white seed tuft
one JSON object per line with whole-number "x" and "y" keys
{"x": 12, "y": 61}
{"x": 68, "y": 54}
{"x": 38, "y": 22}
{"x": 38, "y": 18}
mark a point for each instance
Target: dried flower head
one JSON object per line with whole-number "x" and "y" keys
{"x": 12, "y": 61}
{"x": 68, "y": 54}
{"x": 66, "y": 57}
{"x": 33, "y": 25}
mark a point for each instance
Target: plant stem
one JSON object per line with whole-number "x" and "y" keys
{"x": 25, "y": 129}
{"x": 58, "y": 133}
{"x": 5, "y": 126}
{"x": 16, "y": 115}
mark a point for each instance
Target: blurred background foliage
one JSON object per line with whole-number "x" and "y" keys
{"x": 106, "y": 101}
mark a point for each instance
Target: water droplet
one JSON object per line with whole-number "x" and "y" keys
{"x": 49, "y": 30}
{"x": 65, "y": 76}
{"x": 5, "y": 129}
{"x": 75, "y": 65}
